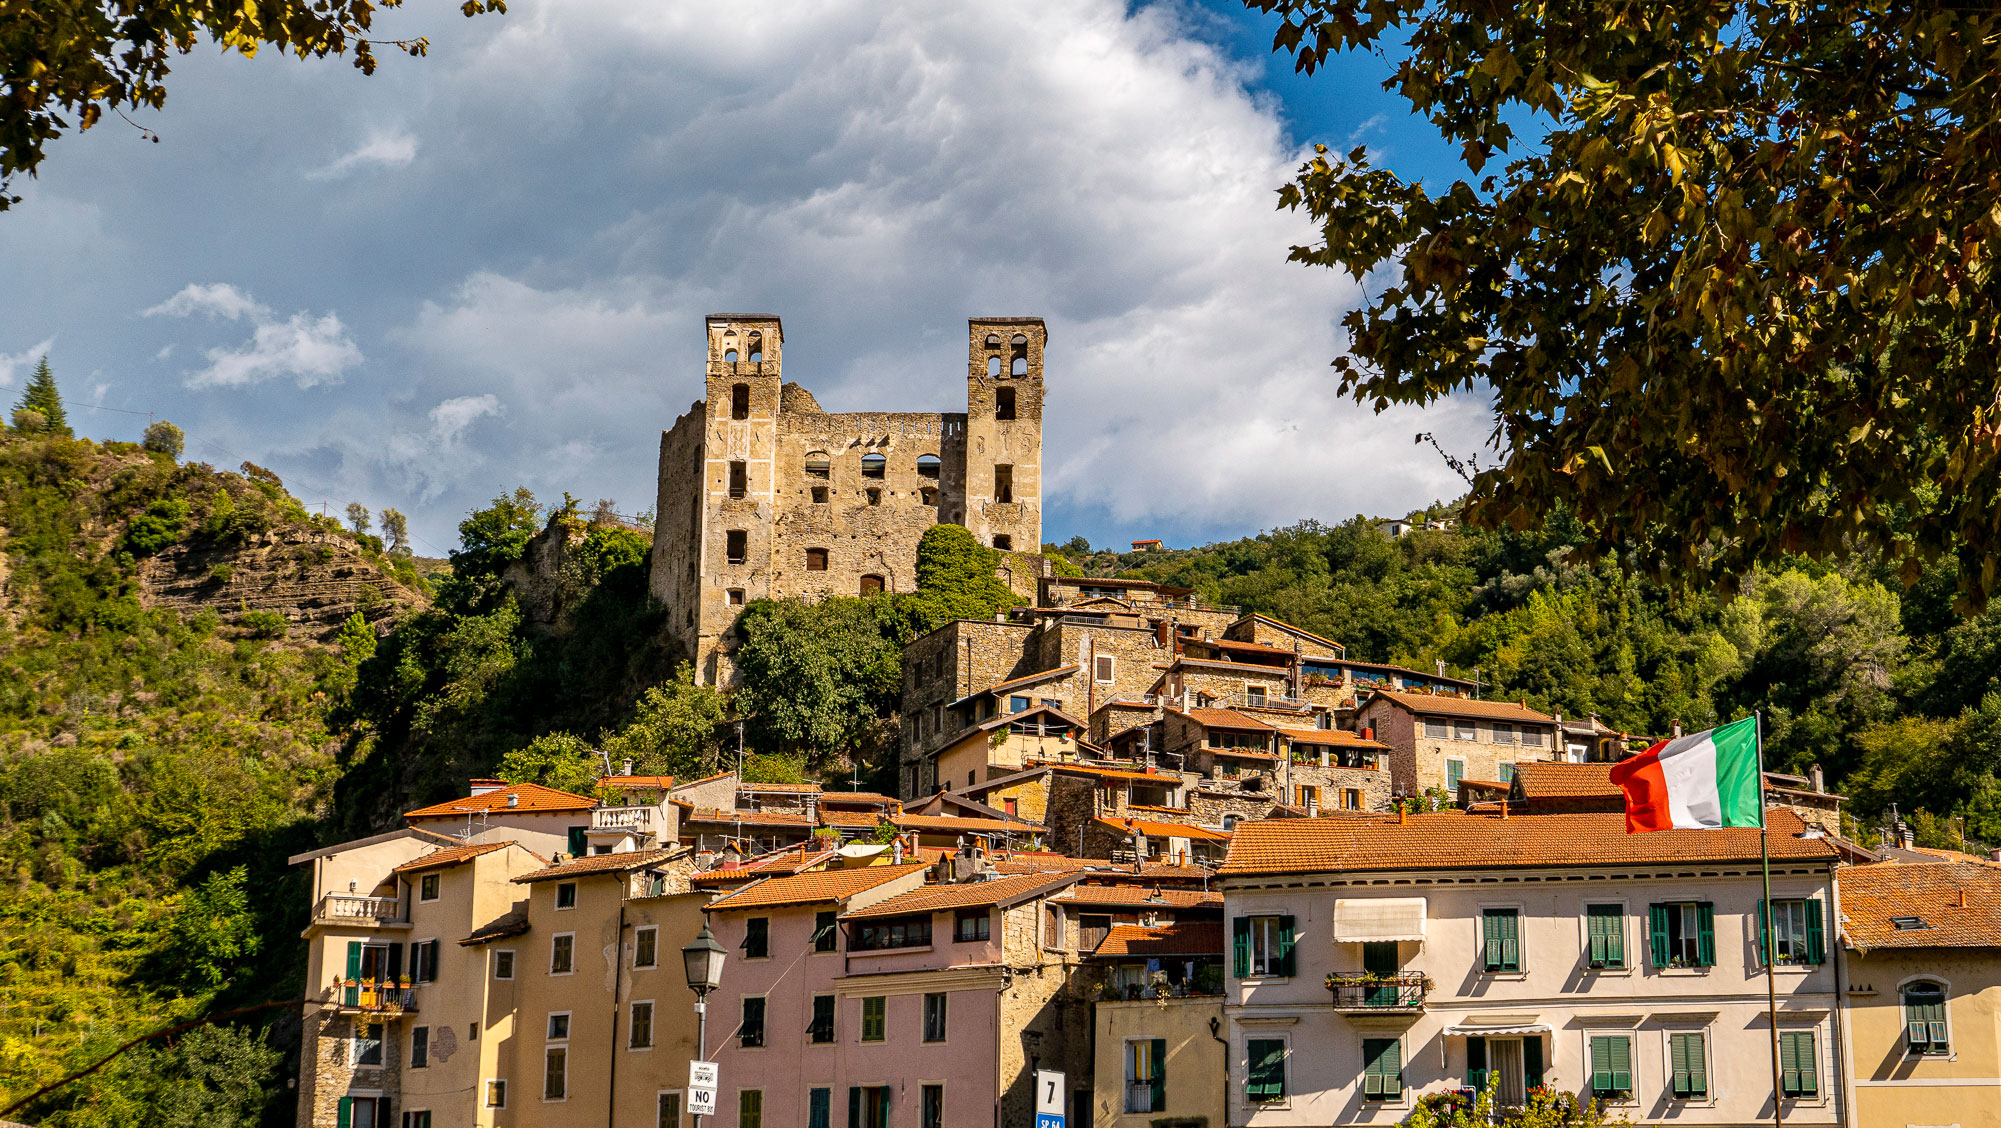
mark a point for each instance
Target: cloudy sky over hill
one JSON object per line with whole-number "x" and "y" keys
{"x": 488, "y": 267}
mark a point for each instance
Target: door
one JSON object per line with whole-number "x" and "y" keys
{"x": 1379, "y": 957}
{"x": 1506, "y": 1056}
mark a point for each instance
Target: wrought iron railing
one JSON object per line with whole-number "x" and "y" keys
{"x": 1405, "y": 990}
{"x": 376, "y": 996}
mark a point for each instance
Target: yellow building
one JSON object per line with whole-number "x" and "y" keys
{"x": 1923, "y": 992}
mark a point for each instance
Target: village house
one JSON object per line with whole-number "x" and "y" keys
{"x": 1157, "y": 1054}
{"x": 1375, "y": 960}
{"x": 1435, "y": 740}
{"x": 545, "y": 821}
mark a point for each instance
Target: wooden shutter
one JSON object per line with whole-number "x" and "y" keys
{"x": 1532, "y": 1062}
{"x": 1476, "y": 1063}
{"x": 1266, "y": 1072}
{"x": 1594, "y": 922}
{"x": 1657, "y": 934}
{"x": 1240, "y": 947}
{"x": 1490, "y": 926}
{"x": 1698, "y": 1066}
{"x": 344, "y": 1113}
{"x": 818, "y": 1112}
{"x": 1159, "y": 1063}
{"x": 351, "y": 995}
{"x": 1622, "y": 1063}
{"x": 1601, "y": 1065}
{"x": 1705, "y": 946}
{"x": 1678, "y": 1064}
{"x": 1511, "y": 941}
{"x": 1816, "y": 933}
{"x": 1764, "y": 928}
{"x": 1382, "y": 1075}
{"x": 882, "y": 1107}
{"x": 1789, "y": 1068}
{"x": 1285, "y": 964}
{"x": 855, "y": 1106}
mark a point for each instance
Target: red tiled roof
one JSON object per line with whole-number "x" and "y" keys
{"x": 1439, "y": 705}
{"x": 631, "y": 782}
{"x": 1231, "y": 644}
{"x": 1223, "y": 718}
{"x": 790, "y": 860}
{"x": 451, "y": 856}
{"x": 948, "y": 823}
{"x": 812, "y": 888}
{"x": 1456, "y": 840}
{"x": 1328, "y": 736}
{"x": 1548, "y": 779}
{"x": 849, "y": 818}
{"x": 1139, "y": 895}
{"x": 1154, "y": 829}
{"x": 1107, "y": 773}
{"x": 965, "y": 895}
{"x": 533, "y": 797}
{"x": 1182, "y": 938}
{"x": 1025, "y": 679}
{"x": 856, "y": 797}
{"x": 1872, "y": 896}
{"x": 600, "y": 863}
{"x": 753, "y": 818}
{"x": 781, "y": 788}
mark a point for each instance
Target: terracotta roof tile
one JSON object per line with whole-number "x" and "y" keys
{"x": 1232, "y": 644}
{"x": 1154, "y": 829}
{"x": 1547, "y": 779}
{"x": 601, "y": 863}
{"x": 532, "y": 797}
{"x": 500, "y": 928}
{"x": 850, "y": 818}
{"x": 812, "y": 888}
{"x": 1024, "y": 862}
{"x": 1223, "y": 718}
{"x": 1141, "y": 896}
{"x": 1301, "y": 632}
{"x": 1873, "y": 896}
{"x": 1456, "y": 840}
{"x": 785, "y": 862}
{"x": 781, "y": 788}
{"x": 451, "y": 856}
{"x": 965, "y": 895}
{"x": 1182, "y": 938}
{"x": 1442, "y": 706}
{"x": 1328, "y": 736}
{"x": 624, "y": 782}
{"x": 1107, "y": 773}
{"x": 753, "y": 818}
{"x": 1017, "y": 683}
{"x": 856, "y": 797}
{"x": 945, "y": 824}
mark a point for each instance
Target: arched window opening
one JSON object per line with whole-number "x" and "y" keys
{"x": 740, "y": 401}
{"x": 993, "y": 366}
{"x": 729, "y": 356}
{"x": 1924, "y": 1019}
{"x": 993, "y": 340}
{"x": 874, "y": 465}
{"x": 817, "y": 465}
{"x": 755, "y": 348}
{"x": 871, "y": 585}
{"x": 1004, "y": 403}
{"x": 927, "y": 466}
{"x": 1017, "y": 350}
{"x": 1004, "y": 542}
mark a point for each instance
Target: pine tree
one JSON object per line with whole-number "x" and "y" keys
{"x": 41, "y": 397}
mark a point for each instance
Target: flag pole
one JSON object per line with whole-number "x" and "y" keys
{"x": 1765, "y": 907}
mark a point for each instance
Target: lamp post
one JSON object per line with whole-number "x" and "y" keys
{"x": 704, "y": 960}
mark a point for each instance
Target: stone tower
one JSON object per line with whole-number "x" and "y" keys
{"x": 1003, "y": 450}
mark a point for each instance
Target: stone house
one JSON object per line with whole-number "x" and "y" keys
{"x": 764, "y": 495}
{"x": 1005, "y": 743}
{"x": 1435, "y": 741}
{"x": 1377, "y": 960}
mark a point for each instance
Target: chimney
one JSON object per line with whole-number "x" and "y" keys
{"x": 482, "y": 786}
{"x": 1819, "y": 783}
{"x": 627, "y": 766}
{"x": 1906, "y": 837}
{"x": 1674, "y": 730}
{"x": 896, "y": 850}
{"x": 1403, "y": 815}
{"x": 1504, "y": 808}
{"x": 1959, "y": 896}
{"x": 1368, "y": 732}
{"x": 513, "y": 801}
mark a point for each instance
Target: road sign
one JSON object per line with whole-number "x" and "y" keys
{"x": 1048, "y": 1098}
{"x": 702, "y": 1076}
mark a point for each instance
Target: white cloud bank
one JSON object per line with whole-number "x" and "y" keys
{"x": 390, "y": 150}
{"x": 14, "y": 367}
{"x": 312, "y": 350}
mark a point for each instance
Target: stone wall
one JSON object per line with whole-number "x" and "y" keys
{"x": 1134, "y": 651}
{"x": 327, "y": 1076}
{"x": 943, "y": 666}
{"x": 1045, "y": 1013}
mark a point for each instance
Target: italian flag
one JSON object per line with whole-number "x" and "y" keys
{"x": 1708, "y": 779}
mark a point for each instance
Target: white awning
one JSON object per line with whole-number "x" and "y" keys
{"x": 1361, "y": 919}
{"x": 1496, "y": 1031}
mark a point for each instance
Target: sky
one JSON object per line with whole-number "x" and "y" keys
{"x": 488, "y": 268}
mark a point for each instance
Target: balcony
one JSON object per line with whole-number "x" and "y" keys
{"x": 372, "y": 996}
{"x": 355, "y": 909}
{"x": 623, "y": 820}
{"x": 1401, "y": 993}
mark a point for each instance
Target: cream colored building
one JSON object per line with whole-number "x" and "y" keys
{"x": 1922, "y": 984}
{"x": 1375, "y": 960}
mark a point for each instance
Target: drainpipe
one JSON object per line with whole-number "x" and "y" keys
{"x": 617, "y": 968}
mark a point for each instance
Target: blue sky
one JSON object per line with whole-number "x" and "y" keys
{"x": 487, "y": 268}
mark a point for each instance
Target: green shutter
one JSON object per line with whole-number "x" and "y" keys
{"x": 1159, "y": 1074}
{"x": 344, "y": 1113}
{"x": 1240, "y": 947}
{"x": 1816, "y": 933}
{"x": 1532, "y": 1062}
{"x": 882, "y": 1107}
{"x": 1265, "y": 1072}
{"x": 354, "y": 959}
{"x": 1511, "y": 941}
{"x": 818, "y": 1110}
{"x": 1491, "y": 929}
{"x": 1382, "y": 1068}
{"x": 1594, "y": 922}
{"x": 1799, "y": 1071}
{"x": 1657, "y": 933}
{"x": 854, "y": 1106}
{"x": 1705, "y": 947}
{"x": 1601, "y": 1066}
{"x": 1764, "y": 932}
{"x": 1698, "y": 1066}
{"x": 1476, "y": 1063}
{"x": 1285, "y": 945}
{"x": 1678, "y": 1065}
{"x": 1622, "y": 1064}
{"x": 1789, "y": 1069}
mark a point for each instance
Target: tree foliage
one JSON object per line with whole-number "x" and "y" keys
{"x": 65, "y": 62}
{"x": 162, "y": 437}
{"x": 43, "y": 402}
{"x": 1730, "y": 288}
{"x": 955, "y": 577}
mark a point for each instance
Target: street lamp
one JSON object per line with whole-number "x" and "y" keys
{"x": 704, "y": 960}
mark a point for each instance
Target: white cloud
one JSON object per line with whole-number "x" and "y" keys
{"x": 16, "y": 366}
{"x": 391, "y": 150}
{"x": 311, "y": 350}
{"x": 450, "y": 419}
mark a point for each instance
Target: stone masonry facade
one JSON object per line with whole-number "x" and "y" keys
{"x": 763, "y": 495}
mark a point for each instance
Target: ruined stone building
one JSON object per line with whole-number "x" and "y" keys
{"x": 762, "y": 495}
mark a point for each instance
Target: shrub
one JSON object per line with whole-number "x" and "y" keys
{"x": 221, "y": 573}
{"x": 265, "y": 624}
{"x": 159, "y": 527}
{"x": 165, "y": 438}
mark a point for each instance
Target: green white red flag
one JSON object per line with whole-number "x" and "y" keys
{"x": 1707, "y": 779}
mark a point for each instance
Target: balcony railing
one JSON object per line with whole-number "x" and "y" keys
{"x": 1379, "y": 994}
{"x": 638, "y": 820}
{"x": 375, "y": 996}
{"x": 352, "y": 908}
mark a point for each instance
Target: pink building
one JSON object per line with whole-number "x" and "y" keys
{"x": 866, "y": 997}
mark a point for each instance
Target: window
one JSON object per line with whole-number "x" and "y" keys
{"x": 365, "y": 1048}
{"x": 1092, "y": 930}
{"x": 928, "y": 495}
{"x": 670, "y": 1111}
{"x": 1382, "y": 1069}
{"x": 931, "y": 1107}
{"x": 1799, "y": 1066}
{"x": 1502, "y": 734}
{"x": 819, "y": 495}
{"x": 1501, "y": 939}
{"x": 820, "y": 1108}
{"x": 871, "y": 585}
{"x": 754, "y": 350}
{"x": 750, "y": 1032}
{"x": 1531, "y": 737}
{"x": 1018, "y": 355}
{"x": 750, "y": 1108}
{"x": 496, "y": 1093}
{"x": 1307, "y": 797}
{"x": 640, "y": 1035}
{"x": 1146, "y": 1075}
{"x": 1455, "y": 770}
{"x": 559, "y": 1026}
{"x": 1797, "y": 931}
{"x": 420, "y": 1047}
{"x": 1004, "y": 403}
{"x": 1003, "y": 482}
{"x": 1351, "y": 799}
{"x": 1612, "y": 1066}
{"x": 1003, "y": 542}
{"x": 816, "y": 560}
{"x": 756, "y": 938}
{"x": 729, "y": 356}
{"x": 868, "y": 1107}
{"x": 1436, "y": 729}
{"x": 1688, "y": 1072}
{"x": 556, "y": 1073}
{"x": 934, "y": 1017}
{"x": 1465, "y": 730}
{"x": 503, "y": 964}
{"x": 901, "y": 932}
{"x": 740, "y": 401}
{"x": 416, "y": 1118}
{"x": 566, "y": 892}
{"x": 826, "y": 934}
{"x": 1105, "y": 667}
{"x": 1262, "y": 946}
{"x": 974, "y": 924}
{"x": 1505, "y": 773}
{"x": 822, "y": 1029}
{"x": 736, "y": 597}
{"x": 1924, "y": 1019}
{"x": 739, "y": 479}
{"x": 1682, "y": 934}
{"x": 1264, "y": 1069}
{"x": 874, "y": 466}
{"x": 736, "y": 546}
{"x": 818, "y": 467}
{"x": 927, "y": 466}
{"x": 427, "y": 890}
{"x": 872, "y": 1018}
{"x": 1605, "y": 935}
{"x": 424, "y": 961}
{"x": 646, "y": 947}
{"x": 562, "y": 953}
